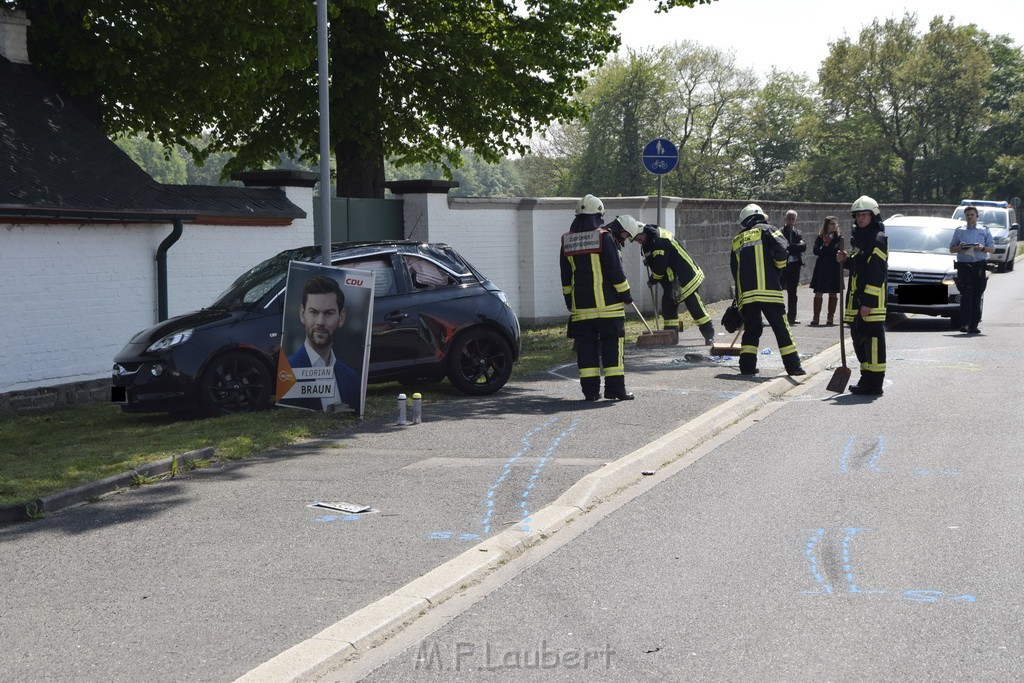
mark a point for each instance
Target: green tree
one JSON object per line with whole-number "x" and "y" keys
{"x": 412, "y": 80}
{"x": 773, "y": 138}
{"x": 162, "y": 164}
{"x": 909, "y": 87}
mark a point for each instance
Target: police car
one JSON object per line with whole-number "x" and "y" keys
{"x": 1001, "y": 220}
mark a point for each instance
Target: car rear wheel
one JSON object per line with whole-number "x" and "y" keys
{"x": 479, "y": 362}
{"x": 234, "y": 383}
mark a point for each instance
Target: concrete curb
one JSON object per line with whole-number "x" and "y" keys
{"x": 362, "y": 628}
{"x": 94, "y": 489}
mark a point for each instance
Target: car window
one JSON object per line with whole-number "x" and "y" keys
{"x": 425, "y": 274}
{"x": 383, "y": 274}
{"x": 994, "y": 219}
{"x": 251, "y": 286}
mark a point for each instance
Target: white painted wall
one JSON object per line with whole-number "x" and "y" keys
{"x": 515, "y": 242}
{"x": 71, "y": 296}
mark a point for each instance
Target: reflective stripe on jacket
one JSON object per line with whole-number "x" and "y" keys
{"x": 594, "y": 284}
{"x": 670, "y": 262}
{"x": 758, "y": 254}
{"x": 869, "y": 270}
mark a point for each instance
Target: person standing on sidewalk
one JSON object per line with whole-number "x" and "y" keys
{"x": 868, "y": 264}
{"x": 675, "y": 270}
{"x": 827, "y": 274}
{"x": 758, "y": 257}
{"x": 795, "y": 247}
{"x": 972, "y": 244}
{"x": 596, "y": 293}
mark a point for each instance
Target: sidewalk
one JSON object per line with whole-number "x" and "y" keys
{"x": 268, "y": 585}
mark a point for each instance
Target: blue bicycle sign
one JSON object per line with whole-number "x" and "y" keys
{"x": 660, "y": 156}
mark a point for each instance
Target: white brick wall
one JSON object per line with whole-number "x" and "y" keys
{"x": 72, "y": 295}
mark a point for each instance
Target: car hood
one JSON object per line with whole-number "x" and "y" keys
{"x": 208, "y": 317}
{"x": 920, "y": 263}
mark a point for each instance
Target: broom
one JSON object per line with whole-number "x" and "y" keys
{"x": 652, "y": 338}
{"x": 842, "y": 374}
{"x": 732, "y": 349}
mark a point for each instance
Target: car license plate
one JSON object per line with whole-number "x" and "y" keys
{"x": 118, "y": 395}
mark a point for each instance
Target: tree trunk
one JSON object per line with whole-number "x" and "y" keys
{"x": 358, "y": 114}
{"x": 360, "y": 172}
{"x": 908, "y": 179}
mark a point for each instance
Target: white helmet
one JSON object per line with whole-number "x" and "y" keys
{"x": 629, "y": 224}
{"x": 590, "y": 204}
{"x": 750, "y": 210}
{"x": 865, "y": 203}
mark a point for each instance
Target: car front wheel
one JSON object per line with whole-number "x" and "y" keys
{"x": 479, "y": 362}
{"x": 234, "y": 383}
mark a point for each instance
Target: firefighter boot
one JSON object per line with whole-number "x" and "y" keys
{"x": 708, "y": 330}
{"x": 591, "y": 388}
{"x": 615, "y": 389}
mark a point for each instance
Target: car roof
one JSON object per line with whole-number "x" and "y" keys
{"x": 927, "y": 222}
{"x": 436, "y": 251}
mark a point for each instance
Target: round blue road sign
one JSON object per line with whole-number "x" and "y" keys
{"x": 660, "y": 156}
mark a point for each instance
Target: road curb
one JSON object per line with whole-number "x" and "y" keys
{"x": 94, "y": 489}
{"x": 362, "y": 628}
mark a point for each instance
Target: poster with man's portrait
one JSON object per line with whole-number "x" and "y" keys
{"x": 325, "y": 338}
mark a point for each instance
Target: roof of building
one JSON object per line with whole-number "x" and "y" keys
{"x": 55, "y": 165}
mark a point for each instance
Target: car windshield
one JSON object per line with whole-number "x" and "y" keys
{"x": 918, "y": 239}
{"x": 254, "y": 284}
{"x": 989, "y": 218}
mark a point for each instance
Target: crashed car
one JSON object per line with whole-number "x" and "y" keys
{"x": 434, "y": 316}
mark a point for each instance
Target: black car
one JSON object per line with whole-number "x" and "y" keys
{"x": 434, "y": 316}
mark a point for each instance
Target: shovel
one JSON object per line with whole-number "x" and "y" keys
{"x": 842, "y": 374}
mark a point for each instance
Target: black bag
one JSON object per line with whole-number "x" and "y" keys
{"x": 732, "y": 320}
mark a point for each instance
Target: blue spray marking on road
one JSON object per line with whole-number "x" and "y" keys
{"x": 812, "y": 561}
{"x": 506, "y": 470}
{"x": 532, "y": 481}
{"x": 844, "y": 459}
{"x": 847, "y": 564}
{"x": 334, "y": 518}
{"x": 879, "y": 449}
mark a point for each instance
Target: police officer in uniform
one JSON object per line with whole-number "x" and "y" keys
{"x": 864, "y": 311}
{"x": 759, "y": 254}
{"x": 596, "y": 293}
{"x": 677, "y": 273}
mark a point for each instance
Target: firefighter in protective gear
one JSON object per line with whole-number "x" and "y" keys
{"x": 864, "y": 311}
{"x": 619, "y": 230}
{"x": 758, "y": 257}
{"x": 596, "y": 293}
{"x": 673, "y": 268}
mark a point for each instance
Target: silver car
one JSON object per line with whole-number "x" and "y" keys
{"x": 922, "y": 278}
{"x": 1001, "y": 220}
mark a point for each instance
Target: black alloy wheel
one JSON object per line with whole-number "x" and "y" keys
{"x": 479, "y": 362}
{"x": 234, "y": 383}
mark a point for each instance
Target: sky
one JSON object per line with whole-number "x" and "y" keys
{"x": 794, "y": 34}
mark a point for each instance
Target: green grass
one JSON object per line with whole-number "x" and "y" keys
{"x": 41, "y": 453}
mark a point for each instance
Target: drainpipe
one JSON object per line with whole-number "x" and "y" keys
{"x": 161, "y": 268}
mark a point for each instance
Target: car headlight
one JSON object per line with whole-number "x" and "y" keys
{"x": 1000, "y": 240}
{"x": 949, "y": 278}
{"x": 171, "y": 340}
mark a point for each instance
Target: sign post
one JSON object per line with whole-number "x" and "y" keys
{"x": 660, "y": 156}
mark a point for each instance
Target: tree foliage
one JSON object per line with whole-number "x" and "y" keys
{"x": 414, "y": 80}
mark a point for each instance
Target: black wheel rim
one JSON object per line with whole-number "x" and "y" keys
{"x": 483, "y": 361}
{"x": 237, "y": 386}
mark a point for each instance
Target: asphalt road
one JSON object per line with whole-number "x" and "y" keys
{"x": 821, "y": 539}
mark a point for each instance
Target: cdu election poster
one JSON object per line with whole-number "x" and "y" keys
{"x": 325, "y": 338}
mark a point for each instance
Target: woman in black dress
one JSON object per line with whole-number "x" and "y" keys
{"x": 825, "y": 278}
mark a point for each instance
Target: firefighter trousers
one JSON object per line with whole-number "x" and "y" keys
{"x": 775, "y": 314}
